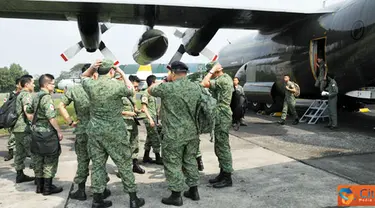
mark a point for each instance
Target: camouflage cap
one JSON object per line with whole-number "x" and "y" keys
{"x": 209, "y": 65}
{"x": 117, "y": 75}
{"x": 106, "y": 66}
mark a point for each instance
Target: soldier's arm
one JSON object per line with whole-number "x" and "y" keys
{"x": 66, "y": 99}
{"x": 26, "y": 106}
{"x": 144, "y": 102}
{"x": 207, "y": 82}
{"x": 49, "y": 108}
{"x": 158, "y": 89}
{"x": 92, "y": 69}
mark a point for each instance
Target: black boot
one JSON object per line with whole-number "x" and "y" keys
{"x": 9, "y": 156}
{"x": 192, "y": 193}
{"x": 39, "y": 185}
{"x": 80, "y": 193}
{"x": 175, "y": 199}
{"x": 135, "y": 202}
{"x": 158, "y": 159}
{"x": 98, "y": 201}
{"x": 200, "y": 163}
{"x": 49, "y": 188}
{"x": 146, "y": 157}
{"x": 21, "y": 177}
{"x": 106, "y": 193}
{"x": 137, "y": 168}
{"x": 226, "y": 182}
{"x": 296, "y": 121}
{"x": 281, "y": 122}
{"x": 217, "y": 178}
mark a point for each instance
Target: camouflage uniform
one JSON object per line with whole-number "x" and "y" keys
{"x": 105, "y": 96}
{"x": 131, "y": 126}
{"x": 180, "y": 142}
{"x": 289, "y": 102}
{"x": 333, "y": 90}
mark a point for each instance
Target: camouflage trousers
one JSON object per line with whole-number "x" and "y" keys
{"x": 22, "y": 141}
{"x": 223, "y": 122}
{"x": 289, "y": 105}
{"x": 132, "y": 137}
{"x": 180, "y": 165}
{"x": 45, "y": 166}
{"x": 11, "y": 142}
{"x": 152, "y": 139}
{"x": 83, "y": 159}
{"x": 100, "y": 146}
{"x": 199, "y": 153}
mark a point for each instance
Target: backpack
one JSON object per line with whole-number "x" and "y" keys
{"x": 8, "y": 114}
{"x": 205, "y": 117}
{"x": 298, "y": 91}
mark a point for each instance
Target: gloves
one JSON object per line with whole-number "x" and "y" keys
{"x": 324, "y": 93}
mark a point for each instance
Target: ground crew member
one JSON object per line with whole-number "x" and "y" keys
{"x": 322, "y": 77}
{"x": 289, "y": 101}
{"x": 46, "y": 166}
{"x": 11, "y": 141}
{"x": 22, "y": 127}
{"x": 240, "y": 90}
{"x": 129, "y": 114}
{"x": 179, "y": 98}
{"x": 149, "y": 107}
{"x": 79, "y": 97}
{"x": 222, "y": 88}
{"x": 332, "y": 91}
{"x": 107, "y": 130}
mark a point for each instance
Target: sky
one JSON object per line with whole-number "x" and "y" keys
{"x": 37, "y": 44}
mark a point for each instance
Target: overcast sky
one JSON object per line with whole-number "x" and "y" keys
{"x": 36, "y": 45}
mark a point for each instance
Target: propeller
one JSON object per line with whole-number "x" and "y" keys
{"x": 76, "y": 48}
{"x": 181, "y": 49}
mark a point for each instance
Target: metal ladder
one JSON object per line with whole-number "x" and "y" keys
{"x": 317, "y": 110}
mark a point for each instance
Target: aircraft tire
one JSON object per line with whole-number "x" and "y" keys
{"x": 276, "y": 106}
{"x": 256, "y": 106}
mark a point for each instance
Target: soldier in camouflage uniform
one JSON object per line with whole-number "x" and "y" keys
{"x": 289, "y": 101}
{"x": 221, "y": 87}
{"x": 129, "y": 114}
{"x": 46, "y": 166}
{"x": 21, "y": 129}
{"x": 11, "y": 141}
{"x": 107, "y": 130}
{"x": 153, "y": 138}
{"x": 82, "y": 108}
{"x": 180, "y": 143}
{"x": 332, "y": 91}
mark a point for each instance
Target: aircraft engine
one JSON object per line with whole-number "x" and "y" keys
{"x": 151, "y": 46}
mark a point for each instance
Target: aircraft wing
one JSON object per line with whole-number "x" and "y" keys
{"x": 163, "y": 14}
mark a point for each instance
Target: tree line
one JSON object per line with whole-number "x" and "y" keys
{"x": 8, "y": 76}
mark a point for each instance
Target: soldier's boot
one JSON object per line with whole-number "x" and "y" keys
{"x": 135, "y": 202}
{"x": 99, "y": 202}
{"x": 242, "y": 122}
{"x": 281, "y": 122}
{"x": 39, "y": 185}
{"x": 296, "y": 121}
{"x": 147, "y": 158}
{"x": 217, "y": 178}
{"x": 9, "y": 156}
{"x": 226, "y": 182}
{"x": 49, "y": 188}
{"x": 80, "y": 194}
{"x": 174, "y": 199}
{"x": 158, "y": 159}
{"x": 137, "y": 168}
{"x": 21, "y": 177}
{"x": 200, "y": 163}
{"x": 192, "y": 193}
{"x": 106, "y": 193}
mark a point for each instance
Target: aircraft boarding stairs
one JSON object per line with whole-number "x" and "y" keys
{"x": 317, "y": 110}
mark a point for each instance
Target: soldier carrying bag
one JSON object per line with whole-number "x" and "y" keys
{"x": 43, "y": 143}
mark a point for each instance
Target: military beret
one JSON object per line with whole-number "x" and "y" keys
{"x": 178, "y": 66}
{"x": 210, "y": 65}
{"x": 106, "y": 66}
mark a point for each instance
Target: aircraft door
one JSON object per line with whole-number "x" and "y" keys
{"x": 317, "y": 49}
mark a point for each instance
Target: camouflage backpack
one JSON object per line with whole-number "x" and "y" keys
{"x": 298, "y": 91}
{"x": 205, "y": 117}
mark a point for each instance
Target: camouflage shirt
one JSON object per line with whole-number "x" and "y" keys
{"x": 128, "y": 106}
{"x": 105, "y": 96}
{"x": 289, "y": 94}
{"x": 46, "y": 111}
{"x": 150, "y": 101}
{"x": 222, "y": 89}
{"x": 179, "y": 100}
{"x": 23, "y": 99}
{"x": 78, "y": 95}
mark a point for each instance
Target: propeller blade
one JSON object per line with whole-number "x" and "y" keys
{"x": 107, "y": 53}
{"x": 178, "y": 33}
{"x": 178, "y": 55}
{"x": 72, "y": 51}
{"x": 104, "y": 27}
{"x": 209, "y": 54}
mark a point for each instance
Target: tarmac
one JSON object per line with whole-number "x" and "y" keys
{"x": 275, "y": 166}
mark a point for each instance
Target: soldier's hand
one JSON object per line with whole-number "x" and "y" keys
{"x": 152, "y": 123}
{"x": 217, "y": 67}
{"x": 132, "y": 114}
{"x": 74, "y": 124}
{"x": 60, "y": 135}
{"x": 97, "y": 64}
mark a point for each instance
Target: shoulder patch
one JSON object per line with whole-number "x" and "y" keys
{"x": 144, "y": 99}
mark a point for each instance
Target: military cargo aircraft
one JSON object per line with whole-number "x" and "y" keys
{"x": 286, "y": 42}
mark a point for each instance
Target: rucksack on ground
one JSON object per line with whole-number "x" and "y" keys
{"x": 298, "y": 90}
{"x": 8, "y": 114}
{"x": 205, "y": 117}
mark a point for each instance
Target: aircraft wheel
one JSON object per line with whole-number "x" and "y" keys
{"x": 256, "y": 106}
{"x": 276, "y": 106}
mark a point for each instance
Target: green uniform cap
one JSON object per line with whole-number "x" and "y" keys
{"x": 211, "y": 64}
{"x": 106, "y": 66}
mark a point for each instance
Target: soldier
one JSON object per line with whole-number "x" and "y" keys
{"x": 11, "y": 141}
{"x": 129, "y": 114}
{"x": 149, "y": 107}
{"x": 322, "y": 77}
{"x": 289, "y": 101}
{"x": 241, "y": 92}
{"x": 221, "y": 87}
{"x": 107, "y": 130}
{"x": 22, "y": 127}
{"x": 82, "y": 108}
{"x": 333, "y": 90}
{"x": 180, "y": 143}
{"x": 46, "y": 166}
